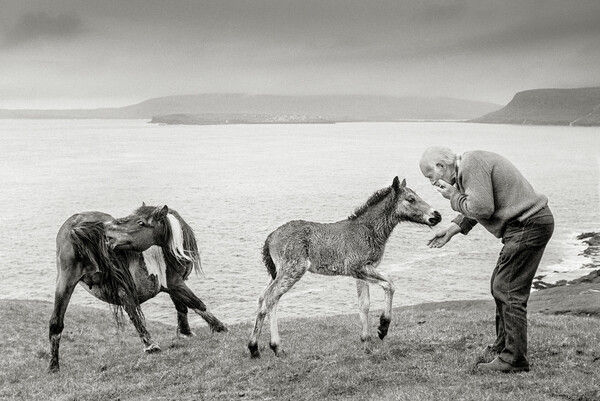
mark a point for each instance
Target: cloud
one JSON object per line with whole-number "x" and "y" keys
{"x": 34, "y": 26}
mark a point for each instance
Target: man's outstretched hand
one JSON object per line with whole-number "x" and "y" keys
{"x": 442, "y": 236}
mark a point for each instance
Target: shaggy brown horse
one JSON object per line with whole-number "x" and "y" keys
{"x": 352, "y": 247}
{"x": 126, "y": 262}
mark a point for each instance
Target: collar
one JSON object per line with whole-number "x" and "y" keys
{"x": 457, "y": 161}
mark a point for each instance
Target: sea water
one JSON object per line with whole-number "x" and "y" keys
{"x": 234, "y": 184}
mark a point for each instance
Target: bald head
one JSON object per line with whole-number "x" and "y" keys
{"x": 438, "y": 163}
{"x": 437, "y": 154}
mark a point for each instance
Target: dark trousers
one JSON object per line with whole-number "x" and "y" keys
{"x": 524, "y": 244}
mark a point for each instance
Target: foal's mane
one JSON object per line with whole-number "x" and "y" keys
{"x": 182, "y": 247}
{"x": 375, "y": 199}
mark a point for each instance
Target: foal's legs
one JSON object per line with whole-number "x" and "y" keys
{"x": 260, "y": 317}
{"x": 267, "y": 304}
{"x": 364, "y": 301}
{"x": 369, "y": 274}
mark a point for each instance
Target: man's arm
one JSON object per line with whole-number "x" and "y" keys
{"x": 464, "y": 223}
{"x": 477, "y": 201}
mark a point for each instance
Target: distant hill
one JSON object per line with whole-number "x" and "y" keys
{"x": 331, "y": 108}
{"x": 229, "y": 119}
{"x": 549, "y": 107}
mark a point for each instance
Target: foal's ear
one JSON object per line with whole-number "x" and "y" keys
{"x": 403, "y": 185}
{"x": 143, "y": 204}
{"x": 396, "y": 184}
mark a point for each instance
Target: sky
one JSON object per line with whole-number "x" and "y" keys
{"x": 109, "y": 53}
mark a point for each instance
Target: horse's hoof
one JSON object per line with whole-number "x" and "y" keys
{"x": 254, "y": 352}
{"x": 152, "y": 348}
{"x": 185, "y": 335}
{"x": 53, "y": 369}
{"x": 221, "y": 328}
{"x": 366, "y": 339}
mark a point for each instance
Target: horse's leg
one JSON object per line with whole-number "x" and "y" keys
{"x": 369, "y": 274}
{"x": 180, "y": 291}
{"x": 69, "y": 274}
{"x": 138, "y": 322}
{"x": 364, "y": 301}
{"x": 183, "y": 326}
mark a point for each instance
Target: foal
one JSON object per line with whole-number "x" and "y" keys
{"x": 352, "y": 247}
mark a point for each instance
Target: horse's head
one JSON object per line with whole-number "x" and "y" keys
{"x": 140, "y": 230}
{"x": 410, "y": 206}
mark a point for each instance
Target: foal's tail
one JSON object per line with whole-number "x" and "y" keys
{"x": 89, "y": 241}
{"x": 268, "y": 260}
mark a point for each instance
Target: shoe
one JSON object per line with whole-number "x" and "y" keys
{"x": 498, "y": 365}
{"x": 488, "y": 354}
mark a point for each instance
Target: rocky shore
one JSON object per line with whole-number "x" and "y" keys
{"x": 592, "y": 252}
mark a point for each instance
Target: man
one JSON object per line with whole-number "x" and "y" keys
{"x": 486, "y": 188}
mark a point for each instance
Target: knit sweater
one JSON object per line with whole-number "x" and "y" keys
{"x": 492, "y": 192}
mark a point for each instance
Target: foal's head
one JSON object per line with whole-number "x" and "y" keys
{"x": 147, "y": 226}
{"x": 410, "y": 207}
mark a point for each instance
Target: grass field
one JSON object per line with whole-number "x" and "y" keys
{"x": 428, "y": 355}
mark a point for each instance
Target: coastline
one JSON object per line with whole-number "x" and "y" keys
{"x": 580, "y": 296}
{"x": 592, "y": 252}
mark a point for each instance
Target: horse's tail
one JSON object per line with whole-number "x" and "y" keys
{"x": 268, "y": 260}
{"x": 88, "y": 240}
{"x": 118, "y": 286}
{"x": 182, "y": 253}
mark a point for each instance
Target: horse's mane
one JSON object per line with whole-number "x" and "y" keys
{"x": 375, "y": 199}
{"x": 90, "y": 242}
{"x": 182, "y": 248}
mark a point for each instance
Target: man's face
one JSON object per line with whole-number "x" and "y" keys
{"x": 438, "y": 171}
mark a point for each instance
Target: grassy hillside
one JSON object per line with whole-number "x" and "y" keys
{"x": 337, "y": 108}
{"x": 428, "y": 355}
{"x": 550, "y": 107}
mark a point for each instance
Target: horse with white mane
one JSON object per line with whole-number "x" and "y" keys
{"x": 352, "y": 247}
{"x": 126, "y": 262}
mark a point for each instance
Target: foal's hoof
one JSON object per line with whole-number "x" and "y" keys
{"x": 152, "y": 348}
{"x": 254, "y": 352}
{"x": 384, "y": 325}
{"x": 366, "y": 339}
{"x": 279, "y": 352}
{"x": 367, "y": 344}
